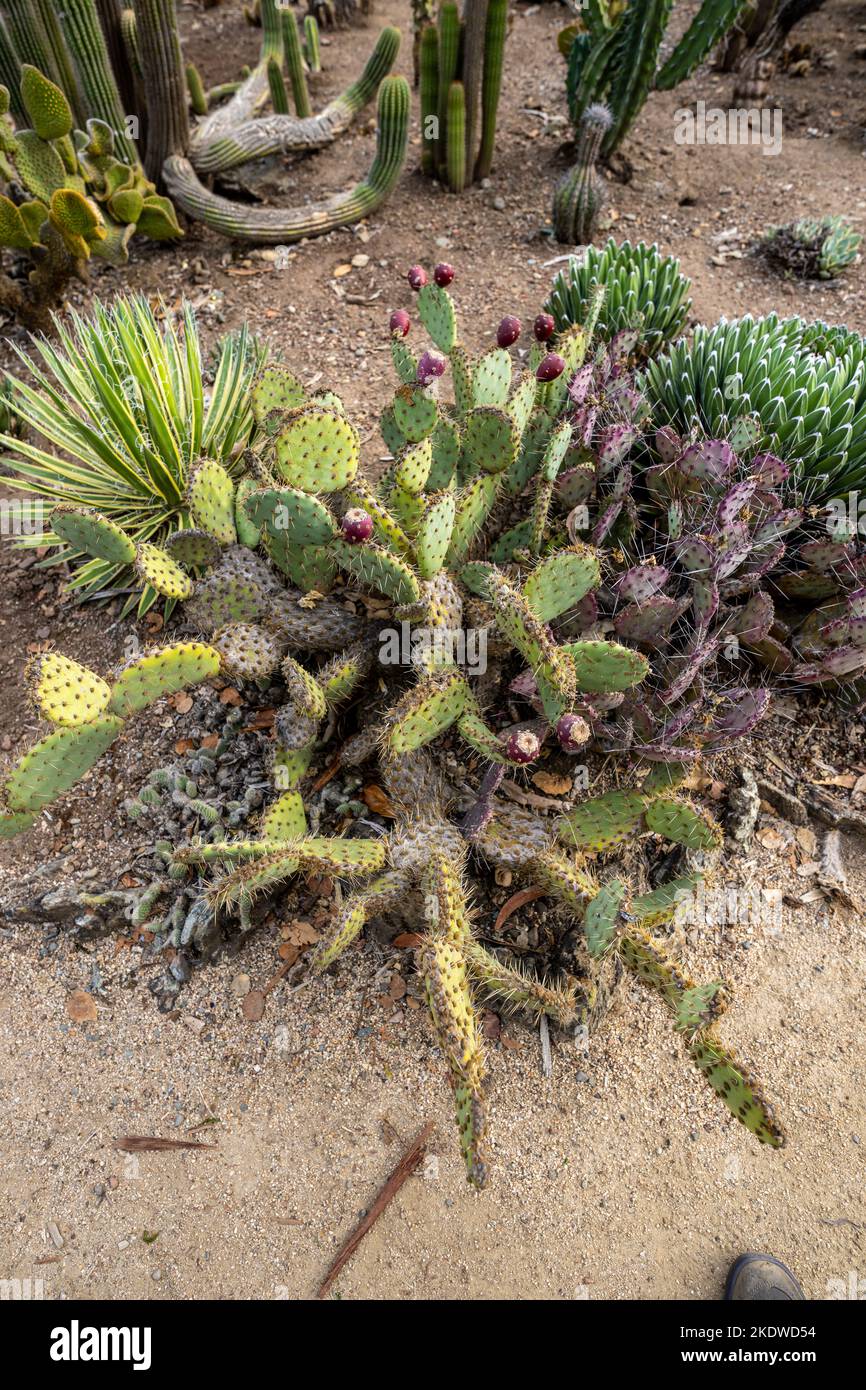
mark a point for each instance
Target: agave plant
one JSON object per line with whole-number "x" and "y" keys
{"x": 120, "y": 397}
{"x": 459, "y": 533}
{"x": 643, "y": 290}
{"x": 805, "y": 383}
{"x": 815, "y": 248}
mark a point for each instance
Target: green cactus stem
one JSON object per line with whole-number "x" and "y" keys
{"x": 579, "y": 196}
{"x": 312, "y": 51}
{"x": 277, "y": 88}
{"x": 164, "y": 83}
{"x": 197, "y": 94}
{"x": 99, "y": 93}
{"x": 455, "y": 139}
{"x": 295, "y": 65}
{"x": 429, "y": 98}
{"x": 494, "y": 57}
{"x": 281, "y": 225}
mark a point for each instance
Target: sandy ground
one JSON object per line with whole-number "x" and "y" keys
{"x": 620, "y": 1176}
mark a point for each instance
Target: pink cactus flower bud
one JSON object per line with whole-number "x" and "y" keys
{"x": 443, "y": 274}
{"x": 508, "y": 331}
{"x": 417, "y": 277}
{"x": 550, "y": 367}
{"x": 430, "y": 366}
{"x": 356, "y": 526}
{"x": 543, "y": 327}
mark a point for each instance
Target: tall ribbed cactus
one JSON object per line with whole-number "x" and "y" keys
{"x": 579, "y": 195}
{"x": 615, "y": 59}
{"x": 461, "y": 67}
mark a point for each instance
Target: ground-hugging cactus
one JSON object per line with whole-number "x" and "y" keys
{"x": 299, "y": 569}
{"x": 806, "y": 383}
{"x": 579, "y": 195}
{"x": 76, "y": 196}
{"x": 814, "y": 248}
{"x": 615, "y": 57}
{"x": 461, "y": 63}
{"x": 643, "y": 292}
{"x": 125, "y": 441}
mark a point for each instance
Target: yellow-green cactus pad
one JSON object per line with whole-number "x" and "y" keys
{"x": 606, "y": 667}
{"x": 427, "y": 710}
{"x": 338, "y": 856}
{"x": 473, "y": 508}
{"x": 12, "y": 823}
{"x": 604, "y": 821}
{"x": 286, "y": 819}
{"x": 446, "y": 452}
{"x": 302, "y": 518}
{"x": 385, "y": 526}
{"x": 730, "y": 1079}
{"x": 436, "y": 312}
{"x": 211, "y": 498}
{"x": 661, "y": 905}
{"x": 14, "y": 231}
{"x": 683, "y": 824}
{"x": 164, "y": 672}
{"x": 156, "y": 567}
{"x": 158, "y": 219}
{"x": 126, "y": 205}
{"x": 319, "y": 451}
{"x": 93, "y": 534}
{"x": 65, "y": 692}
{"x": 433, "y": 532}
{"x": 76, "y": 218}
{"x": 412, "y": 468}
{"x": 491, "y": 379}
{"x": 561, "y": 581}
{"x": 39, "y": 166}
{"x": 276, "y": 389}
{"x": 415, "y": 413}
{"x": 193, "y": 549}
{"x": 490, "y": 440}
{"x": 57, "y": 762}
{"x": 304, "y": 691}
{"x": 49, "y": 111}
{"x": 34, "y": 216}
{"x": 604, "y": 919}
{"x": 461, "y": 376}
{"x": 378, "y": 568}
{"x": 522, "y": 402}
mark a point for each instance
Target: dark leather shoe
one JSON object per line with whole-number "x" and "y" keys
{"x": 753, "y": 1278}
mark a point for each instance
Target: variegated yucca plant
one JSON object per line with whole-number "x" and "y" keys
{"x": 461, "y": 531}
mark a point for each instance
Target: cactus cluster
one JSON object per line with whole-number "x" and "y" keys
{"x": 461, "y": 64}
{"x": 302, "y": 573}
{"x": 814, "y": 248}
{"x": 75, "y": 197}
{"x": 613, "y": 55}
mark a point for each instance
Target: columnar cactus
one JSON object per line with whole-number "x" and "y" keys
{"x": 579, "y": 196}
{"x": 461, "y": 63}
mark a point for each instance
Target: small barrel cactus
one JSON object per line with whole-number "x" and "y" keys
{"x": 580, "y": 194}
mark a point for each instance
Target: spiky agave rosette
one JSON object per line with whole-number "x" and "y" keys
{"x": 277, "y": 568}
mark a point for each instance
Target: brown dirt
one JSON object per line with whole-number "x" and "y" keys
{"x": 619, "y": 1177}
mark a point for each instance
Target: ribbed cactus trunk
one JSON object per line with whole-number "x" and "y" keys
{"x": 475, "y": 30}
{"x": 86, "y": 42}
{"x": 295, "y": 65}
{"x": 494, "y": 57}
{"x": 429, "y": 99}
{"x": 110, "y": 17}
{"x": 10, "y": 73}
{"x": 164, "y": 82}
{"x": 455, "y": 138}
{"x": 579, "y": 195}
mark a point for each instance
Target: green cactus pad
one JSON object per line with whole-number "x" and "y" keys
{"x": 93, "y": 534}
{"x": 700, "y": 1005}
{"x": 473, "y": 508}
{"x": 340, "y": 856}
{"x": 606, "y": 667}
{"x": 286, "y": 819}
{"x": 436, "y": 312}
{"x": 605, "y": 821}
{"x": 14, "y": 231}
{"x": 290, "y": 764}
{"x": 299, "y": 516}
{"x": 491, "y": 379}
{"x": 446, "y": 452}
{"x": 415, "y": 413}
{"x": 78, "y": 220}
{"x": 427, "y": 710}
{"x": 660, "y": 906}
{"x": 555, "y": 451}
{"x": 12, "y": 823}
{"x": 247, "y": 652}
{"x": 57, "y": 762}
{"x": 211, "y": 498}
{"x": 407, "y": 508}
{"x": 66, "y": 693}
{"x": 506, "y": 546}
{"x": 412, "y": 468}
{"x": 683, "y": 824}
{"x": 490, "y": 440}
{"x": 344, "y": 673}
{"x": 378, "y": 568}
{"x": 193, "y": 549}
{"x": 310, "y": 567}
{"x": 49, "y": 112}
{"x": 482, "y": 738}
{"x": 39, "y": 166}
{"x": 602, "y": 920}
{"x": 433, "y": 533}
{"x": 275, "y": 389}
{"x": 162, "y": 673}
{"x": 158, "y": 220}
{"x": 664, "y": 777}
{"x": 305, "y": 693}
{"x": 319, "y": 451}
{"x": 405, "y": 363}
{"x": 386, "y": 527}
{"x": 156, "y": 567}
{"x": 248, "y": 533}
{"x": 461, "y": 375}
{"x": 522, "y": 402}
{"x": 561, "y": 581}
{"x": 394, "y": 438}
{"x": 731, "y": 1081}
{"x": 126, "y": 205}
